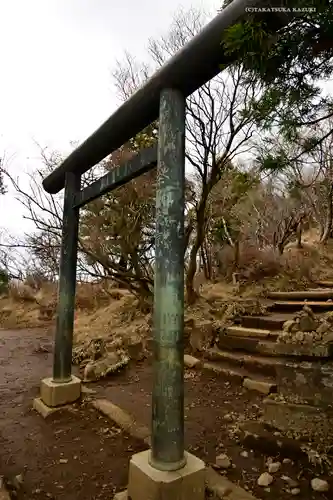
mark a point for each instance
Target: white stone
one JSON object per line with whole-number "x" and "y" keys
{"x": 295, "y": 491}
{"x": 223, "y": 461}
{"x": 299, "y": 336}
{"x": 320, "y": 485}
{"x": 291, "y": 482}
{"x": 274, "y": 467}
{"x": 265, "y": 479}
{"x": 244, "y": 454}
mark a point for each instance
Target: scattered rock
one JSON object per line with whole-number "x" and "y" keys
{"x": 307, "y": 323}
{"x": 286, "y": 461}
{"x": 309, "y": 337}
{"x": 244, "y": 454}
{"x": 109, "y": 363}
{"x": 291, "y": 482}
{"x": 306, "y": 328}
{"x": 43, "y": 348}
{"x": 299, "y": 336}
{"x": 307, "y": 309}
{"x": 258, "y": 385}
{"x": 265, "y": 479}
{"x": 328, "y": 337}
{"x": 287, "y": 325}
{"x": 63, "y": 461}
{"x": 323, "y": 327}
{"x": 191, "y": 361}
{"x": 319, "y": 485}
{"x": 223, "y": 461}
{"x": 295, "y": 491}
{"x": 329, "y": 317}
{"x": 274, "y": 467}
{"x": 19, "y": 479}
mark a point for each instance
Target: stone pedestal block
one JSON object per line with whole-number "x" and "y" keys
{"x": 148, "y": 483}
{"x": 56, "y": 394}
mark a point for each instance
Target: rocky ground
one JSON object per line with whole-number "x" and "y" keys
{"x": 79, "y": 454}
{"x": 306, "y": 328}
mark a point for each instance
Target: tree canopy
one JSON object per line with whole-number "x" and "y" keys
{"x": 290, "y": 66}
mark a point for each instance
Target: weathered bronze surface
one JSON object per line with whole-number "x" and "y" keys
{"x": 168, "y": 384}
{"x": 196, "y": 63}
{"x": 141, "y": 163}
{"x": 62, "y": 365}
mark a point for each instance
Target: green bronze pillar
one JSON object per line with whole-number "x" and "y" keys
{"x": 62, "y": 364}
{"x": 167, "y": 447}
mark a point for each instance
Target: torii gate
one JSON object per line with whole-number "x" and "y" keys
{"x": 163, "y": 97}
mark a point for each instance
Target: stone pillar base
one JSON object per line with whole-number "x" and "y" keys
{"x": 147, "y": 483}
{"x": 44, "y": 410}
{"x": 55, "y": 394}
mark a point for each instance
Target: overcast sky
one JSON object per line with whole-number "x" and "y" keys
{"x": 56, "y": 63}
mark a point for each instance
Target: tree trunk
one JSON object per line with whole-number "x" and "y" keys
{"x": 236, "y": 255}
{"x": 204, "y": 262}
{"x": 329, "y": 217}
{"x": 299, "y": 236}
{"x": 199, "y": 238}
{"x": 207, "y": 250}
{"x": 281, "y": 246}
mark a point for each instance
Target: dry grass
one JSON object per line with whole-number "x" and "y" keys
{"x": 295, "y": 269}
{"x": 108, "y": 312}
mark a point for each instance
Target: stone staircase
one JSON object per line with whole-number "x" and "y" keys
{"x": 251, "y": 352}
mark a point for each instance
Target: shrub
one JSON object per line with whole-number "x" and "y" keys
{"x": 20, "y": 292}
{"x": 257, "y": 264}
{"x": 4, "y": 281}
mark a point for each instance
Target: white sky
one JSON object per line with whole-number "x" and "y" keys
{"x": 56, "y": 62}
{"x": 56, "y": 84}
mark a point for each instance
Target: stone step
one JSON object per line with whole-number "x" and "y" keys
{"x": 270, "y": 348}
{"x": 249, "y": 381}
{"x": 315, "y": 421}
{"x": 310, "y": 295}
{"x": 272, "y": 322}
{"x": 224, "y": 370}
{"x": 252, "y": 363}
{"x": 325, "y": 284}
{"x": 240, "y": 331}
{"x": 268, "y": 441}
{"x": 310, "y": 380}
{"x": 298, "y": 305}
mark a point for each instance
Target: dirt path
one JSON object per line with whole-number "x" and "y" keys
{"x": 213, "y": 409}
{"x": 77, "y": 455}
{"x": 81, "y": 455}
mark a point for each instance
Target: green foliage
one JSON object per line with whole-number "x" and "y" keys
{"x": 294, "y": 190}
{"x": 146, "y": 138}
{"x": 247, "y": 39}
{"x": 223, "y": 228}
{"x": 241, "y": 183}
{"x": 272, "y": 163}
{"x": 289, "y": 65}
{"x": 227, "y": 224}
{"x": 4, "y": 281}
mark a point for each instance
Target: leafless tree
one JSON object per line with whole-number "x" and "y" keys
{"x": 219, "y": 123}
